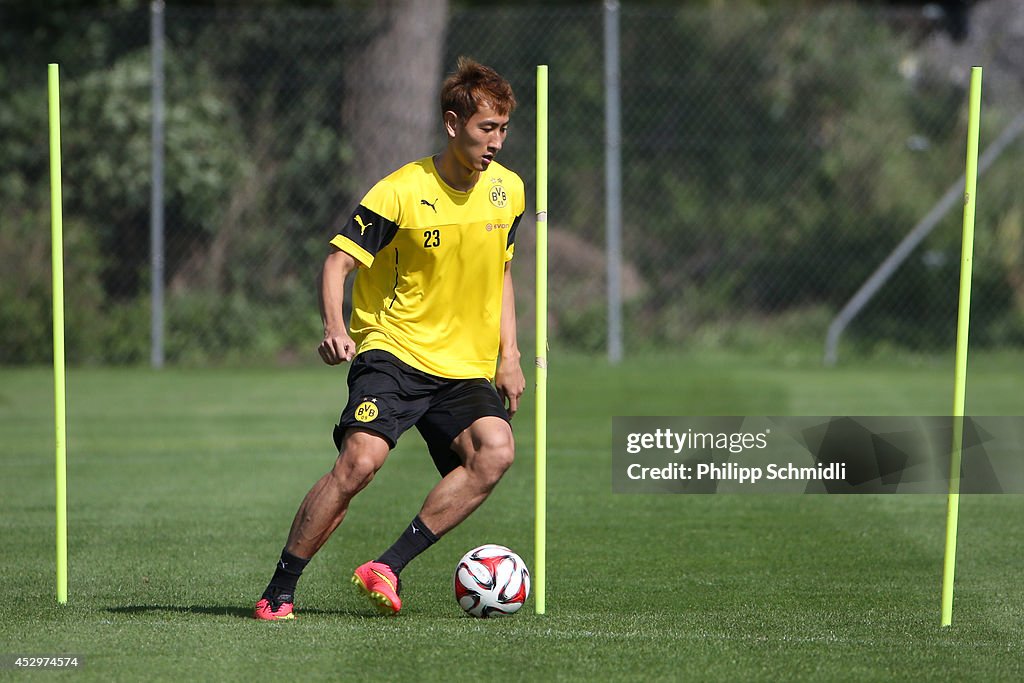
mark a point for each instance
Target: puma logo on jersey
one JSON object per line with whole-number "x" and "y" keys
{"x": 362, "y": 226}
{"x": 424, "y": 202}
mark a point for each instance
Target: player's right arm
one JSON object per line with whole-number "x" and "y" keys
{"x": 337, "y": 346}
{"x": 372, "y": 226}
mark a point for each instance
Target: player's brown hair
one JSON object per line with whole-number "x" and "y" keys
{"x": 473, "y": 84}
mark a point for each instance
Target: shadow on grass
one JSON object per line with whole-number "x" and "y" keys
{"x": 220, "y": 611}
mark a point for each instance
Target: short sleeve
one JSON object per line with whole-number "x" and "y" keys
{"x": 372, "y": 225}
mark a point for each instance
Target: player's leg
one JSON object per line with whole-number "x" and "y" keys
{"x": 324, "y": 507}
{"x": 487, "y": 449}
{"x": 322, "y": 510}
{"x": 374, "y": 417}
{"x": 470, "y": 441}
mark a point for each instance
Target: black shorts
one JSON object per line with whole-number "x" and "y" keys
{"x": 388, "y": 396}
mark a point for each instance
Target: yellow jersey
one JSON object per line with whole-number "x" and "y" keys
{"x": 432, "y": 260}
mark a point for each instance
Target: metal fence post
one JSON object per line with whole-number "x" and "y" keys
{"x": 156, "y": 215}
{"x": 613, "y": 179}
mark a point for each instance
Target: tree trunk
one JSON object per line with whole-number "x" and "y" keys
{"x": 390, "y": 112}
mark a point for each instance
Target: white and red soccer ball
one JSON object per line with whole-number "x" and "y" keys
{"x": 491, "y": 581}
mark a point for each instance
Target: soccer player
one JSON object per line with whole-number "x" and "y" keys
{"x": 433, "y": 324}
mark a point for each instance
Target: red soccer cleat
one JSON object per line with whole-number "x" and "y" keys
{"x": 379, "y": 583}
{"x": 275, "y": 609}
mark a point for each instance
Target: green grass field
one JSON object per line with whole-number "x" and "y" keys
{"x": 182, "y": 484}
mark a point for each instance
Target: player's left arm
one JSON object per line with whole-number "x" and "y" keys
{"x": 509, "y": 379}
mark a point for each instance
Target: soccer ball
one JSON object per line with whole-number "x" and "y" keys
{"x": 491, "y": 581}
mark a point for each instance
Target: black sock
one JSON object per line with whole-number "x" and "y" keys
{"x": 286, "y": 576}
{"x": 414, "y": 540}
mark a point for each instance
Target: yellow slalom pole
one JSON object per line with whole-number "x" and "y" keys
{"x": 540, "y": 529}
{"x": 59, "y": 393}
{"x": 963, "y": 323}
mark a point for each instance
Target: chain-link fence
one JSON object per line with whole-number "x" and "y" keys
{"x": 771, "y": 159}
